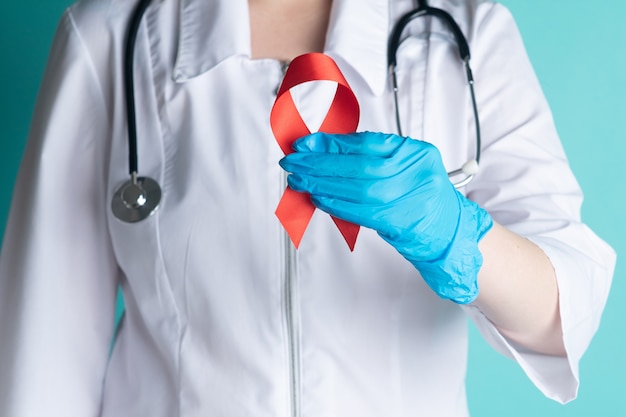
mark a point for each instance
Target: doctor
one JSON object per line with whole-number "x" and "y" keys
{"x": 223, "y": 315}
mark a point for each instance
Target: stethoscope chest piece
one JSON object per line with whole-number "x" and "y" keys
{"x": 136, "y": 200}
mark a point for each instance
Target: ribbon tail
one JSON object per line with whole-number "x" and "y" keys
{"x": 294, "y": 212}
{"x": 348, "y": 230}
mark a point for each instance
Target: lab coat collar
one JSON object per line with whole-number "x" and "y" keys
{"x": 212, "y": 31}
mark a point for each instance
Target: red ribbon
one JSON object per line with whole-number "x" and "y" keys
{"x": 296, "y": 209}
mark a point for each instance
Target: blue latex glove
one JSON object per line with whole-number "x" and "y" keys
{"x": 398, "y": 187}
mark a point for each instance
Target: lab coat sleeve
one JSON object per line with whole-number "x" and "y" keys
{"x": 58, "y": 277}
{"x": 526, "y": 184}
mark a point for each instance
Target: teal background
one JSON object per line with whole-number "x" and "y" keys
{"x": 577, "y": 48}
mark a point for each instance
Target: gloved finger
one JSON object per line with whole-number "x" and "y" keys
{"x": 383, "y": 219}
{"x": 365, "y": 191}
{"x": 337, "y": 165}
{"x": 353, "y": 212}
{"x": 371, "y": 216}
{"x": 410, "y": 154}
{"x": 370, "y": 143}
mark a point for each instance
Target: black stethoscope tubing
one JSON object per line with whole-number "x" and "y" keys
{"x": 139, "y": 197}
{"x": 129, "y": 83}
{"x": 470, "y": 168}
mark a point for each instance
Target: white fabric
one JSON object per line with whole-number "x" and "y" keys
{"x": 215, "y": 312}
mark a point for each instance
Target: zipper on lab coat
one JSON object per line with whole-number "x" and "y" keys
{"x": 291, "y": 302}
{"x": 291, "y": 299}
{"x": 292, "y": 316}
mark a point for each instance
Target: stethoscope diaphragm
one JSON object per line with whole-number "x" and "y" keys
{"x": 136, "y": 200}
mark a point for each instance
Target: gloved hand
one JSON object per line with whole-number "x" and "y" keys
{"x": 399, "y": 187}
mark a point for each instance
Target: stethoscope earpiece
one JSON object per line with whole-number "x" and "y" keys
{"x": 136, "y": 200}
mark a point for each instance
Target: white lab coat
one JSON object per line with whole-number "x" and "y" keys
{"x": 222, "y": 318}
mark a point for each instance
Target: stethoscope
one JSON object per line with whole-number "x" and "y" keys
{"x": 139, "y": 197}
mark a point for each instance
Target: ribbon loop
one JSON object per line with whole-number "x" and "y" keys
{"x": 295, "y": 209}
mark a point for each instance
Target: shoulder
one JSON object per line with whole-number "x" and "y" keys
{"x": 95, "y": 30}
{"x": 88, "y": 44}
{"x": 465, "y": 8}
{"x": 471, "y": 15}
{"x": 102, "y": 25}
{"x": 100, "y": 11}
{"x": 99, "y": 19}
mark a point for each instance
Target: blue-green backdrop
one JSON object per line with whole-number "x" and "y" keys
{"x": 578, "y": 50}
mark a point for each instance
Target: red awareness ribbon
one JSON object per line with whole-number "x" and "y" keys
{"x": 296, "y": 209}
